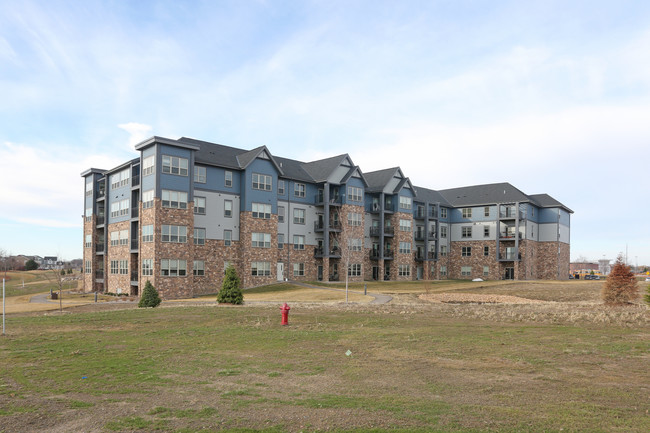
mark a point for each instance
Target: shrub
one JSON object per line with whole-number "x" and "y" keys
{"x": 149, "y": 297}
{"x": 230, "y": 292}
{"x": 31, "y": 265}
{"x": 647, "y": 296}
{"x": 621, "y": 285}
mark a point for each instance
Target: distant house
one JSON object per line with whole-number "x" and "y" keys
{"x": 49, "y": 262}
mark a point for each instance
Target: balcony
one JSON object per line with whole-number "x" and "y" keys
{"x": 510, "y": 213}
{"x": 388, "y": 255}
{"x": 100, "y": 248}
{"x": 319, "y": 199}
{"x": 510, "y": 236}
{"x": 134, "y": 244}
{"x": 335, "y": 226}
{"x": 101, "y": 219}
{"x": 419, "y": 236}
{"x": 134, "y": 212}
{"x": 433, "y": 213}
{"x": 432, "y": 236}
{"x": 134, "y": 278}
{"x": 419, "y": 214}
{"x": 431, "y": 255}
{"x": 509, "y": 257}
{"x": 135, "y": 180}
{"x": 99, "y": 274}
{"x": 335, "y": 253}
{"x": 374, "y": 255}
{"x": 419, "y": 256}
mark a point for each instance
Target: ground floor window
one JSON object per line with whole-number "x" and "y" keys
{"x": 124, "y": 267}
{"x": 298, "y": 269}
{"x": 115, "y": 266}
{"x": 404, "y": 270}
{"x": 88, "y": 267}
{"x": 173, "y": 268}
{"x": 354, "y": 270}
{"x": 466, "y": 271}
{"x": 486, "y": 271}
{"x": 147, "y": 267}
{"x": 199, "y": 268}
{"x": 259, "y": 269}
{"x": 443, "y": 271}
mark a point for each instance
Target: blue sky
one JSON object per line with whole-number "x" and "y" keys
{"x": 551, "y": 96}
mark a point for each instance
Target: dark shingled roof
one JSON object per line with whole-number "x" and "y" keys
{"x": 321, "y": 169}
{"x": 377, "y": 180}
{"x": 212, "y": 153}
{"x": 430, "y": 196}
{"x": 545, "y": 200}
{"x": 483, "y": 194}
{"x": 293, "y": 169}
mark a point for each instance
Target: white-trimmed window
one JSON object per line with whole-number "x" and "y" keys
{"x": 299, "y": 189}
{"x": 298, "y": 216}
{"x": 147, "y": 199}
{"x": 124, "y": 206}
{"x": 298, "y": 269}
{"x": 443, "y": 212}
{"x": 280, "y": 187}
{"x": 261, "y": 240}
{"x": 486, "y": 231}
{"x": 88, "y": 267}
{"x": 280, "y": 214}
{"x": 147, "y": 233}
{"x": 443, "y": 271}
{"x": 443, "y": 231}
{"x": 124, "y": 237}
{"x": 354, "y": 244}
{"x": 466, "y": 251}
{"x": 354, "y": 219}
{"x": 174, "y": 199}
{"x": 486, "y": 211}
{"x": 260, "y": 269}
{"x": 147, "y": 267}
{"x": 354, "y": 270}
{"x": 261, "y": 210}
{"x": 148, "y": 165}
{"x": 89, "y": 214}
{"x": 405, "y": 248}
{"x": 174, "y": 234}
{"x": 355, "y": 193}
{"x": 405, "y": 202}
{"x": 443, "y": 250}
{"x": 89, "y": 241}
{"x": 227, "y": 208}
{"x": 263, "y": 182}
{"x": 466, "y": 232}
{"x": 467, "y": 212}
{"x": 174, "y": 165}
{"x": 115, "y": 266}
{"x": 466, "y": 271}
{"x": 486, "y": 271}
{"x": 124, "y": 267}
{"x": 199, "y": 205}
{"x": 198, "y": 268}
{"x": 227, "y": 238}
{"x": 200, "y": 175}
{"x": 115, "y": 238}
{"x": 89, "y": 186}
{"x": 280, "y": 240}
{"x": 405, "y": 225}
{"x": 227, "y": 179}
{"x": 173, "y": 268}
{"x": 120, "y": 179}
{"x": 199, "y": 236}
{"x": 486, "y": 250}
{"x": 404, "y": 270}
{"x": 298, "y": 242}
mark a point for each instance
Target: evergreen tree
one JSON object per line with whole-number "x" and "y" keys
{"x": 621, "y": 285}
{"x": 149, "y": 297}
{"x": 230, "y": 292}
{"x": 31, "y": 265}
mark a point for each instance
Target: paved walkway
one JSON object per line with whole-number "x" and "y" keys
{"x": 379, "y": 298}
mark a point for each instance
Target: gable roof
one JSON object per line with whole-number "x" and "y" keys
{"x": 483, "y": 194}
{"x": 377, "y": 180}
{"x": 321, "y": 169}
{"x": 545, "y": 200}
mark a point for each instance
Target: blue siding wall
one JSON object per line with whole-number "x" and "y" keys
{"x": 355, "y": 182}
{"x": 149, "y": 182}
{"x": 173, "y": 181}
{"x": 548, "y": 215}
{"x": 405, "y": 192}
{"x": 216, "y": 180}
{"x": 250, "y": 195}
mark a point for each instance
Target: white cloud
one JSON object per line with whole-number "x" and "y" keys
{"x": 138, "y": 132}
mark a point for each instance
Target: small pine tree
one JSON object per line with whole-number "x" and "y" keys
{"x": 230, "y": 292}
{"x": 621, "y": 285}
{"x": 149, "y": 297}
{"x": 31, "y": 265}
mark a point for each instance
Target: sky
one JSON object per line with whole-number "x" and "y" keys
{"x": 550, "y": 96}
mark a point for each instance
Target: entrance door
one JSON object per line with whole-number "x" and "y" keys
{"x": 320, "y": 272}
{"x": 375, "y": 273}
{"x": 510, "y": 274}
{"x": 420, "y": 272}
{"x": 280, "y": 271}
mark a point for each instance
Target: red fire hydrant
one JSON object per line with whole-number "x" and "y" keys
{"x": 285, "y": 314}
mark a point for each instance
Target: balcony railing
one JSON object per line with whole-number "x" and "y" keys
{"x": 134, "y": 212}
{"x": 134, "y": 276}
{"x": 510, "y": 235}
{"x": 509, "y": 257}
{"x": 388, "y": 255}
{"x": 334, "y": 226}
{"x": 432, "y": 236}
{"x": 335, "y": 252}
{"x": 134, "y": 244}
{"x": 431, "y": 255}
{"x": 100, "y": 248}
{"x": 510, "y": 214}
{"x": 99, "y": 274}
{"x": 419, "y": 236}
{"x": 135, "y": 180}
{"x": 334, "y": 201}
{"x": 100, "y": 220}
{"x": 420, "y": 214}
{"x": 433, "y": 213}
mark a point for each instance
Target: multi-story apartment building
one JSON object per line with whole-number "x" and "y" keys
{"x": 184, "y": 210}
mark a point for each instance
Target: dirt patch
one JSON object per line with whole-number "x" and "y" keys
{"x": 464, "y": 298}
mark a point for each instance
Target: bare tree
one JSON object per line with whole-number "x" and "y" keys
{"x": 56, "y": 277}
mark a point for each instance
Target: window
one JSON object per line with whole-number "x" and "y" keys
{"x": 466, "y": 251}
{"x": 147, "y": 233}
{"x": 355, "y": 193}
{"x": 261, "y": 210}
{"x": 261, "y": 269}
{"x": 227, "y": 208}
{"x": 298, "y": 216}
{"x": 124, "y": 237}
{"x": 466, "y": 232}
{"x": 261, "y": 240}
{"x": 115, "y": 266}
{"x": 228, "y": 179}
{"x": 443, "y": 231}
{"x": 199, "y": 174}
{"x": 199, "y": 205}
{"x": 147, "y": 267}
{"x": 173, "y": 268}
{"x": 124, "y": 206}
{"x": 174, "y": 199}
{"x": 486, "y": 271}
{"x": 147, "y": 199}
{"x": 119, "y": 208}
{"x": 298, "y": 269}
{"x": 354, "y": 270}
{"x": 89, "y": 241}
{"x": 175, "y": 234}
{"x": 354, "y": 244}
{"x": 405, "y": 248}
{"x": 298, "y": 242}
{"x": 443, "y": 212}
{"x": 174, "y": 165}
{"x": 404, "y": 270}
{"x": 405, "y": 225}
{"x": 443, "y": 250}
{"x": 486, "y": 231}
{"x": 443, "y": 271}
{"x": 88, "y": 267}
{"x": 354, "y": 219}
{"x": 199, "y": 236}
{"x": 280, "y": 187}
{"x": 280, "y": 240}
{"x": 299, "y": 189}
{"x": 124, "y": 267}
{"x": 405, "y": 202}
{"x": 89, "y": 186}
{"x": 148, "y": 166}
{"x": 227, "y": 237}
{"x": 466, "y": 271}
{"x": 486, "y": 250}
{"x": 120, "y": 179}
{"x": 486, "y": 211}
{"x": 467, "y": 212}
{"x": 198, "y": 268}
{"x": 89, "y": 214}
{"x": 280, "y": 214}
{"x": 115, "y": 238}
{"x": 262, "y": 182}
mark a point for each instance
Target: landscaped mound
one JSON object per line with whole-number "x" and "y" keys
{"x": 463, "y": 298}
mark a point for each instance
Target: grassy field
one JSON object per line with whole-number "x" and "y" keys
{"x": 423, "y": 367}
{"x": 30, "y": 282}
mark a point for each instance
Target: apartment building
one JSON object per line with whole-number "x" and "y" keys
{"x": 185, "y": 209}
